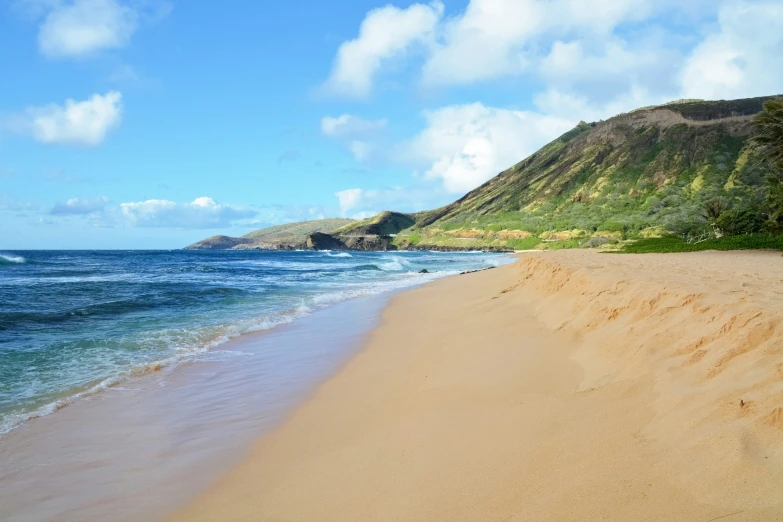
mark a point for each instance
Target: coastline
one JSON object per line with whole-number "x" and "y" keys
{"x": 569, "y": 385}
{"x": 166, "y": 435}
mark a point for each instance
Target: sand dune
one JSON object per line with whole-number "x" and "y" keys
{"x": 568, "y": 386}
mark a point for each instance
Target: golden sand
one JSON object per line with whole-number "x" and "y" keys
{"x": 568, "y": 386}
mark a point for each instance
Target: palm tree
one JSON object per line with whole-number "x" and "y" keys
{"x": 769, "y": 140}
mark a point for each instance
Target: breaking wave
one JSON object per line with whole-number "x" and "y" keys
{"x": 9, "y": 259}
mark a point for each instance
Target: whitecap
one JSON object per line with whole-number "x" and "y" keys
{"x": 9, "y": 258}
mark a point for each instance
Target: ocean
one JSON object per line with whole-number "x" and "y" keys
{"x": 76, "y": 323}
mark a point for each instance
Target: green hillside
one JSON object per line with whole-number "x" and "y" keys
{"x": 686, "y": 169}
{"x": 297, "y": 232}
{"x": 640, "y": 174}
{"x": 290, "y": 235}
{"x": 383, "y": 224}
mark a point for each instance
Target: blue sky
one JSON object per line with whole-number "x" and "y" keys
{"x": 152, "y": 124}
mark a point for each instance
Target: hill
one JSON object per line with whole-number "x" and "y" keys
{"x": 651, "y": 172}
{"x": 640, "y": 174}
{"x": 291, "y": 235}
{"x": 297, "y": 232}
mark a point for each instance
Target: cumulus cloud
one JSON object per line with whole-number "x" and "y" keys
{"x": 569, "y": 45}
{"x": 79, "y": 206}
{"x": 484, "y": 42}
{"x": 465, "y": 145}
{"x": 384, "y": 33}
{"x": 349, "y": 199}
{"x": 75, "y": 123}
{"x": 496, "y": 38}
{"x": 84, "y": 27}
{"x": 489, "y": 39}
{"x": 202, "y": 212}
{"x": 743, "y": 58}
{"x": 606, "y": 68}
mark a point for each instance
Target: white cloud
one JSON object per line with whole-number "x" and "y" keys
{"x": 362, "y": 203}
{"x": 465, "y": 145}
{"x": 349, "y": 199}
{"x": 359, "y": 134}
{"x": 743, "y": 58}
{"x": 202, "y": 212}
{"x": 607, "y": 67}
{"x": 77, "y": 123}
{"x": 567, "y": 43}
{"x": 484, "y": 42}
{"x": 567, "y": 104}
{"x": 588, "y": 61}
{"x": 79, "y": 206}
{"x": 495, "y": 38}
{"x": 84, "y": 27}
{"x": 385, "y": 32}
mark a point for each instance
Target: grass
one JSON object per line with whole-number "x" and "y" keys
{"x": 673, "y": 244}
{"x": 297, "y": 232}
{"x": 523, "y": 244}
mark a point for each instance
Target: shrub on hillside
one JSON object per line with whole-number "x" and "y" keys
{"x": 735, "y": 222}
{"x": 769, "y": 138}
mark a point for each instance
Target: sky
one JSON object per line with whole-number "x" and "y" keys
{"x": 146, "y": 124}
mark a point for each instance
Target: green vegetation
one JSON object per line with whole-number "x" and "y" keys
{"x": 297, "y": 232}
{"x": 383, "y": 224}
{"x": 769, "y": 140}
{"x": 648, "y": 173}
{"x": 414, "y": 238}
{"x": 523, "y": 244}
{"x": 673, "y": 244}
{"x": 695, "y": 174}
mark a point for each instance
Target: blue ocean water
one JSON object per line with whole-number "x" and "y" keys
{"x": 75, "y": 322}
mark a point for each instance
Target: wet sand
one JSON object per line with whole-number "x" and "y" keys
{"x": 137, "y": 450}
{"x": 569, "y": 386}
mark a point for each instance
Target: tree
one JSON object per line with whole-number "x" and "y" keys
{"x": 713, "y": 209}
{"x": 769, "y": 140}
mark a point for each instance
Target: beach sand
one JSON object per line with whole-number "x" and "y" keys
{"x": 570, "y": 385}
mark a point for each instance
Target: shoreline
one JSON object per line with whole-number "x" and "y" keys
{"x": 565, "y": 386}
{"x": 173, "y": 431}
{"x": 219, "y": 339}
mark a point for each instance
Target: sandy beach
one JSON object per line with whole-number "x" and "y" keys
{"x": 570, "y": 385}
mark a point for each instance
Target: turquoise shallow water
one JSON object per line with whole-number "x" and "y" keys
{"x": 73, "y": 323}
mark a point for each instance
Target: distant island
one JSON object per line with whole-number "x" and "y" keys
{"x": 684, "y": 168}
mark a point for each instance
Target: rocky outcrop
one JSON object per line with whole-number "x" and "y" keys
{"x": 384, "y": 224}
{"x": 377, "y": 243}
{"x": 323, "y": 241}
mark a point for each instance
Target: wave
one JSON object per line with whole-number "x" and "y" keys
{"x": 9, "y": 259}
{"x": 397, "y": 264}
{"x": 191, "y": 343}
{"x": 200, "y": 353}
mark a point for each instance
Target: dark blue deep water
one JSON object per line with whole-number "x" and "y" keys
{"x": 75, "y": 322}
